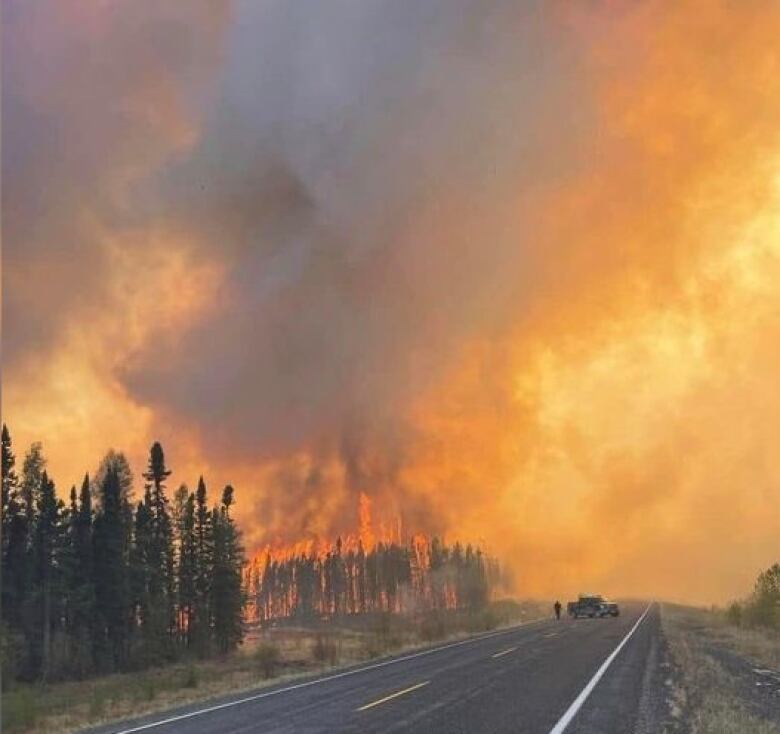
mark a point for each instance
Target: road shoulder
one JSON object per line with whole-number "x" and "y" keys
{"x": 719, "y": 679}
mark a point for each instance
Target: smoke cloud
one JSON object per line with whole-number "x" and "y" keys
{"x": 507, "y": 268}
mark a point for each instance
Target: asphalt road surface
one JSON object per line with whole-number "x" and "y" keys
{"x": 587, "y": 676}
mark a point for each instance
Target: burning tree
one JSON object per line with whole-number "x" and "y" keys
{"x": 359, "y": 575}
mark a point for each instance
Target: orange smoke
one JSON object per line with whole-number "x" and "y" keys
{"x": 603, "y": 413}
{"x": 622, "y": 434}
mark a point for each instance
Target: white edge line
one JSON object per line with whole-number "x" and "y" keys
{"x": 306, "y": 684}
{"x": 576, "y": 705}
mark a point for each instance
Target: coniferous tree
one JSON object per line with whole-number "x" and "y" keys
{"x": 426, "y": 575}
{"x": 67, "y": 563}
{"x": 78, "y": 581}
{"x": 178, "y": 509}
{"x": 14, "y": 538}
{"x": 162, "y": 609}
{"x": 10, "y": 486}
{"x": 139, "y": 574}
{"x": 187, "y": 568}
{"x": 32, "y": 478}
{"x": 204, "y": 567}
{"x": 361, "y": 579}
{"x": 80, "y": 587}
{"x": 27, "y": 595}
{"x": 227, "y": 589}
{"x": 46, "y": 539}
{"x": 178, "y": 506}
{"x": 117, "y": 461}
{"x": 111, "y": 573}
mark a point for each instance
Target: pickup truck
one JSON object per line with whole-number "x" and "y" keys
{"x": 611, "y": 609}
{"x": 592, "y": 605}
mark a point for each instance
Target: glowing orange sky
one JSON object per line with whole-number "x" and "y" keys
{"x": 606, "y": 417}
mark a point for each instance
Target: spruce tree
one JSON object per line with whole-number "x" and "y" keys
{"x": 14, "y": 539}
{"x": 204, "y": 566}
{"x": 46, "y": 539}
{"x": 111, "y": 573}
{"x": 161, "y": 554}
{"x": 178, "y": 509}
{"x": 80, "y": 587}
{"x": 187, "y": 568}
{"x": 227, "y": 589}
{"x": 117, "y": 461}
{"x": 139, "y": 572}
{"x": 177, "y": 526}
{"x": 68, "y": 565}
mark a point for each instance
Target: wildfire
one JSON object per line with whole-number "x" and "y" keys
{"x": 365, "y": 532}
{"x": 365, "y": 571}
{"x": 364, "y": 539}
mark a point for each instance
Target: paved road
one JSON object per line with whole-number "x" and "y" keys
{"x": 537, "y": 678}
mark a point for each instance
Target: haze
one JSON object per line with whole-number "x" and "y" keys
{"x": 509, "y": 269}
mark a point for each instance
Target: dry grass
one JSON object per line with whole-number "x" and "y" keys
{"x": 267, "y": 657}
{"x": 762, "y": 646}
{"x": 707, "y": 694}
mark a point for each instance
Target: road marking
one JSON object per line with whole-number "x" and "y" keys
{"x": 551, "y": 634}
{"x": 504, "y": 652}
{"x": 393, "y": 695}
{"x": 576, "y": 705}
{"x": 316, "y": 681}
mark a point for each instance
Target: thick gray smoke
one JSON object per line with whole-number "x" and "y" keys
{"x": 356, "y": 169}
{"x": 361, "y": 174}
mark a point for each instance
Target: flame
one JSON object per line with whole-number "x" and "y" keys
{"x": 365, "y": 533}
{"x": 281, "y": 574}
{"x": 363, "y": 540}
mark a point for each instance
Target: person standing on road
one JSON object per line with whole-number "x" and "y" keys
{"x": 557, "y": 608}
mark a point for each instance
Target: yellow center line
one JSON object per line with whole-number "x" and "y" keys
{"x": 393, "y": 695}
{"x": 504, "y": 652}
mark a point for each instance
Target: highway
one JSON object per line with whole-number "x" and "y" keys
{"x": 587, "y": 676}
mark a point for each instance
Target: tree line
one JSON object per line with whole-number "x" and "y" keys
{"x": 390, "y": 577}
{"x": 102, "y": 583}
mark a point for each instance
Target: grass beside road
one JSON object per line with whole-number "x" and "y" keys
{"x": 268, "y": 656}
{"x": 713, "y": 687}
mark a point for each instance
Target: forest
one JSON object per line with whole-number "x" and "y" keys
{"x": 419, "y": 576}
{"x": 100, "y": 583}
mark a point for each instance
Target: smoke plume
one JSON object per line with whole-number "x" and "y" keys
{"x": 508, "y": 269}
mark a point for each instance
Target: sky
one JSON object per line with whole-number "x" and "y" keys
{"x": 509, "y": 269}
